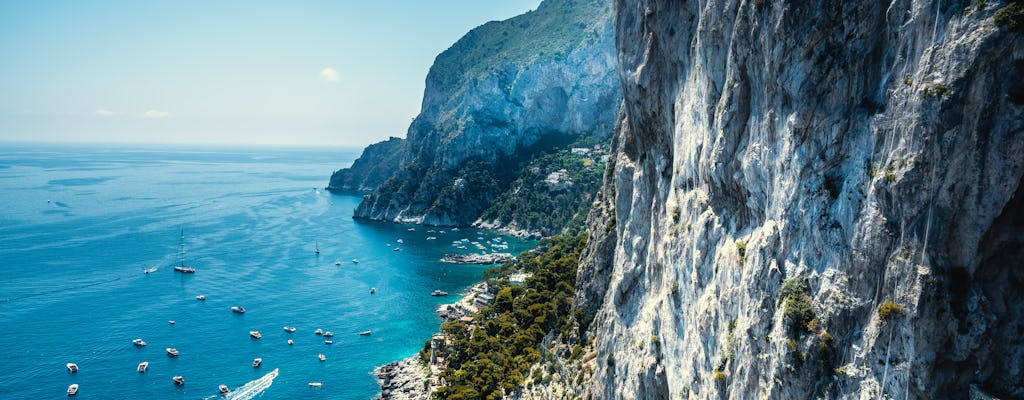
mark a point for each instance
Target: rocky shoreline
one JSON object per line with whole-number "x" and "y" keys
{"x": 483, "y": 259}
{"x": 412, "y": 378}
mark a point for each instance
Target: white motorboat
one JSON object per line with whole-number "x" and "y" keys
{"x": 256, "y": 362}
{"x": 201, "y": 297}
{"x": 143, "y": 366}
{"x": 72, "y": 367}
{"x": 178, "y": 380}
{"x": 318, "y": 331}
{"x": 72, "y": 389}
{"x": 291, "y": 342}
{"x": 289, "y": 329}
{"x": 224, "y": 389}
{"x": 322, "y": 357}
{"x": 139, "y": 342}
{"x": 255, "y": 334}
{"x": 238, "y": 309}
{"x": 173, "y": 352}
{"x": 328, "y": 334}
{"x": 316, "y": 384}
{"x": 328, "y": 342}
{"x": 365, "y": 333}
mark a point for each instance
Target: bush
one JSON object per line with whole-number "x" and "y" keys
{"x": 888, "y": 310}
{"x": 1011, "y": 16}
{"x": 798, "y": 307}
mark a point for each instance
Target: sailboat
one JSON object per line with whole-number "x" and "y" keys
{"x": 181, "y": 267}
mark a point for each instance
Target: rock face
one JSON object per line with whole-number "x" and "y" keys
{"x": 502, "y": 93}
{"x": 871, "y": 150}
{"x": 372, "y": 167}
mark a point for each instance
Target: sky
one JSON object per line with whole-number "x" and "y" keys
{"x": 320, "y": 73}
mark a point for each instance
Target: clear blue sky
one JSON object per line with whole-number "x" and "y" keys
{"x": 338, "y": 73}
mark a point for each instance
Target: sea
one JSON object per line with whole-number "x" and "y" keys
{"x": 80, "y": 223}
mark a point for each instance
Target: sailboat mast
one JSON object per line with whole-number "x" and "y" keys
{"x": 181, "y": 250}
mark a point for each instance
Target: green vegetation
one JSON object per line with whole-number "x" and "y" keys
{"x": 494, "y": 355}
{"x": 535, "y": 205}
{"x": 553, "y": 30}
{"x": 1011, "y": 16}
{"x": 799, "y": 309}
{"x": 937, "y": 90}
{"x": 888, "y": 310}
{"x": 741, "y": 249}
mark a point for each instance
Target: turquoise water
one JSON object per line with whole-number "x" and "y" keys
{"x": 79, "y": 224}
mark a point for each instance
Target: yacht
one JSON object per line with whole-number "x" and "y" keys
{"x": 365, "y": 333}
{"x": 173, "y": 352}
{"x": 256, "y": 362}
{"x": 178, "y": 380}
{"x": 201, "y": 297}
{"x": 224, "y": 389}
{"x": 316, "y": 384}
{"x": 289, "y": 329}
{"x": 72, "y": 389}
{"x": 143, "y": 366}
{"x": 322, "y": 357}
{"x": 139, "y": 342}
{"x": 255, "y": 334}
{"x": 72, "y": 367}
{"x": 238, "y": 309}
{"x": 181, "y": 267}
{"x": 328, "y": 334}
{"x": 439, "y": 293}
{"x": 318, "y": 331}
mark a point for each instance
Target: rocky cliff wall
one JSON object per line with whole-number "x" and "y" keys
{"x": 784, "y": 171}
{"x": 377, "y": 162}
{"x": 502, "y": 93}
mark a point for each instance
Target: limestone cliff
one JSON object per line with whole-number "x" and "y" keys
{"x": 810, "y": 199}
{"x": 372, "y": 167}
{"x": 502, "y": 93}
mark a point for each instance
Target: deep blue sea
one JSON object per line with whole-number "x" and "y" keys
{"x": 80, "y": 223}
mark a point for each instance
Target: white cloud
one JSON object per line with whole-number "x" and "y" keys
{"x": 329, "y": 74}
{"x": 105, "y": 113}
{"x": 155, "y": 114}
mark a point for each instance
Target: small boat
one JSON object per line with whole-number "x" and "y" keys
{"x": 143, "y": 366}
{"x": 365, "y": 333}
{"x": 291, "y": 342}
{"x": 72, "y": 389}
{"x": 411, "y": 229}
{"x": 170, "y": 322}
{"x": 337, "y": 263}
{"x": 139, "y": 342}
{"x": 238, "y": 309}
{"x": 439, "y": 293}
{"x": 256, "y": 362}
{"x": 149, "y": 270}
{"x": 317, "y": 251}
{"x": 355, "y": 261}
{"x": 289, "y": 329}
{"x": 173, "y": 352}
{"x": 400, "y": 241}
{"x": 328, "y": 342}
{"x": 318, "y": 331}
{"x": 201, "y": 297}
{"x": 431, "y": 237}
{"x": 316, "y": 384}
{"x": 397, "y": 249}
{"x": 223, "y": 389}
{"x": 72, "y": 367}
{"x": 178, "y": 380}
{"x": 328, "y": 334}
{"x": 373, "y": 290}
{"x": 322, "y": 357}
{"x": 255, "y": 334}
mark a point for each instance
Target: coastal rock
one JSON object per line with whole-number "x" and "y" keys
{"x": 506, "y": 91}
{"x": 861, "y": 153}
{"x": 475, "y": 258}
{"x": 372, "y": 167}
{"x": 408, "y": 379}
